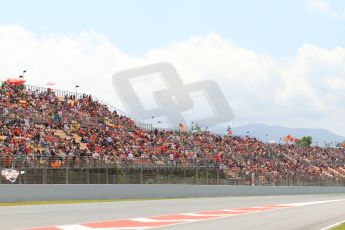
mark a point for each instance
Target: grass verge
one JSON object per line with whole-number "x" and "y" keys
{"x": 339, "y": 227}
{"x": 74, "y": 201}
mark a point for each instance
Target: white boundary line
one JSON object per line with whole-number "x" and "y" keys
{"x": 333, "y": 225}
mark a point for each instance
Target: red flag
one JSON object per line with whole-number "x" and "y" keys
{"x": 15, "y": 82}
{"x": 219, "y": 156}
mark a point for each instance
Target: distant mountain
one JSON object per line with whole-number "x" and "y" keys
{"x": 320, "y": 136}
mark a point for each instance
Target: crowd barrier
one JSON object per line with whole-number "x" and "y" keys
{"x": 163, "y": 170}
{"x": 11, "y": 193}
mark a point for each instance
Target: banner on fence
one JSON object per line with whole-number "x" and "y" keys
{"x": 11, "y": 174}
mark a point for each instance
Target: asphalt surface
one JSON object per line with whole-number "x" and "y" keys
{"x": 316, "y": 216}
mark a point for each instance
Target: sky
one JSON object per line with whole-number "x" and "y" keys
{"x": 277, "y": 62}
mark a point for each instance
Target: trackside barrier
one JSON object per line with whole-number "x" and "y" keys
{"x": 11, "y": 193}
{"x": 43, "y": 169}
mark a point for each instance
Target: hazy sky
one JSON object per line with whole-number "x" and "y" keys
{"x": 277, "y": 62}
{"x": 277, "y": 28}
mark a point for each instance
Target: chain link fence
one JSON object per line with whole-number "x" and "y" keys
{"x": 134, "y": 171}
{"x": 86, "y": 170}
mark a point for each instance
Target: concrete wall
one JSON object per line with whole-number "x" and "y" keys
{"x": 71, "y": 192}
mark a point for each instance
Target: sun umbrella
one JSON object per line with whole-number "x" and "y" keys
{"x": 15, "y": 82}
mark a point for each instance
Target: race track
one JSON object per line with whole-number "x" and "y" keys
{"x": 268, "y": 212}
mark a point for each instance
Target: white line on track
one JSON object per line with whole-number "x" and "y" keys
{"x": 314, "y": 202}
{"x": 73, "y": 227}
{"x": 333, "y": 225}
{"x": 148, "y": 220}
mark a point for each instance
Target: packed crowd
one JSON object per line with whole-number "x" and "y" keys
{"x": 38, "y": 126}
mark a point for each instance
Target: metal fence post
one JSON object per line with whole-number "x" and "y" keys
{"x": 1, "y": 171}
{"x": 20, "y": 176}
{"x": 196, "y": 175}
{"x": 66, "y": 178}
{"x": 253, "y": 179}
{"x": 98, "y": 175}
{"x": 141, "y": 174}
{"x": 88, "y": 174}
{"x": 44, "y": 174}
{"x": 25, "y": 173}
{"x": 157, "y": 175}
{"x": 106, "y": 174}
{"x": 114, "y": 176}
{"x": 217, "y": 176}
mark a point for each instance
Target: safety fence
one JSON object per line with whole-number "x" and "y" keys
{"x": 88, "y": 170}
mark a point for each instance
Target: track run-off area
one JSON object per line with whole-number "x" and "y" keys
{"x": 262, "y": 212}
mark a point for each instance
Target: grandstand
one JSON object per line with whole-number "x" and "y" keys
{"x": 55, "y": 136}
